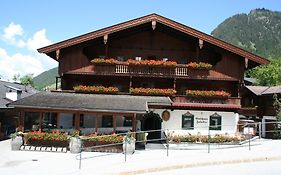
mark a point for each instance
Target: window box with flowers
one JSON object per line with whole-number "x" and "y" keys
{"x": 152, "y": 63}
{"x": 55, "y": 139}
{"x": 208, "y": 93}
{"x": 104, "y": 61}
{"x": 96, "y": 89}
{"x": 152, "y": 91}
{"x": 200, "y": 65}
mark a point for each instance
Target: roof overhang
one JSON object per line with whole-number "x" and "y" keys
{"x": 159, "y": 19}
{"x": 62, "y": 101}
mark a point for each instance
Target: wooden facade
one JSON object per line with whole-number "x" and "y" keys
{"x": 152, "y": 37}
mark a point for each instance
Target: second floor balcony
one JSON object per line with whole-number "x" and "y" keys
{"x": 179, "y": 70}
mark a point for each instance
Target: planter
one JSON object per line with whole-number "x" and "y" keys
{"x": 48, "y": 143}
{"x": 129, "y": 147}
{"x": 75, "y": 145}
{"x": 16, "y": 143}
{"x": 101, "y": 146}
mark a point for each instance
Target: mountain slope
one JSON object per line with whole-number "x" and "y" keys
{"x": 258, "y": 32}
{"x": 46, "y": 78}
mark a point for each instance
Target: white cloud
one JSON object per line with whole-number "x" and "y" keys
{"x": 11, "y": 33}
{"x": 38, "y": 40}
{"x": 28, "y": 62}
{"x": 23, "y": 64}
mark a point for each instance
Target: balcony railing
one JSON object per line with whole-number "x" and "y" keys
{"x": 154, "y": 71}
{"x": 212, "y": 100}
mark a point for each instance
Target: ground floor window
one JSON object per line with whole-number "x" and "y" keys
{"x": 66, "y": 121}
{"x": 31, "y": 121}
{"x": 105, "y": 124}
{"x": 49, "y": 121}
{"x": 87, "y": 123}
{"x": 124, "y": 123}
{"x": 215, "y": 122}
{"x": 188, "y": 121}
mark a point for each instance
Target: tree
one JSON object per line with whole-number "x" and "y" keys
{"x": 267, "y": 75}
{"x": 27, "y": 79}
{"x": 277, "y": 106}
{"x": 16, "y": 77}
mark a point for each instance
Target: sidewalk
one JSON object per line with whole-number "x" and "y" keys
{"x": 150, "y": 160}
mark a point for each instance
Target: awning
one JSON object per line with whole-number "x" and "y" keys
{"x": 90, "y": 102}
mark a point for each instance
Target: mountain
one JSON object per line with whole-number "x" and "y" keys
{"x": 258, "y": 32}
{"x": 45, "y": 79}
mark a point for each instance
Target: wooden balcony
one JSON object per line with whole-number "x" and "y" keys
{"x": 178, "y": 71}
{"x": 209, "y": 100}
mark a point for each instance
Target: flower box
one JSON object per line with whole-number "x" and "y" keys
{"x": 200, "y": 65}
{"x": 96, "y": 89}
{"x": 38, "y": 138}
{"x": 153, "y": 63}
{"x": 104, "y": 61}
{"x": 209, "y": 93}
{"x": 48, "y": 143}
{"x": 152, "y": 91}
{"x": 205, "y": 139}
{"x": 97, "y": 143}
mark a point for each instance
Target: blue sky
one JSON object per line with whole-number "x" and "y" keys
{"x": 27, "y": 25}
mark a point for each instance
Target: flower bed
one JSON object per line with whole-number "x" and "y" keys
{"x": 104, "y": 61}
{"x": 89, "y": 143}
{"x": 200, "y": 93}
{"x": 56, "y": 139}
{"x": 96, "y": 89}
{"x": 205, "y": 139}
{"x": 200, "y": 65}
{"x": 152, "y": 63}
{"x": 152, "y": 91}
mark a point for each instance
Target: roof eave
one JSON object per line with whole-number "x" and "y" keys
{"x": 178, "y": 26}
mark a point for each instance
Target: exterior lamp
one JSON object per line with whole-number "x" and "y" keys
{"x": 153, "y": 23}
{"x": 105, "y": 38}
{"x": 200, "y": 43}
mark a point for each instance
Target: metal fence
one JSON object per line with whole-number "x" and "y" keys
{"x": 250, "y": 131}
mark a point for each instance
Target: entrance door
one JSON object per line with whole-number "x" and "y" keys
{"x": 152, "y": 121}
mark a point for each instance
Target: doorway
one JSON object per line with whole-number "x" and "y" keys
{"x": 152, "y": 121}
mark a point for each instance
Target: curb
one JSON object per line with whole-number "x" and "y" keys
{"x": 200, "y": 164}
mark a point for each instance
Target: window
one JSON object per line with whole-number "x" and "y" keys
{"x": 127, "y": 121}
{"x": 87, "y": 121}
{"x": 215, "y": 122}
{"x": 107, "y": 121}
{"x": 31, "y": 121}
{"x": 188, "y": 121}
{"x": 49, "y": 121}
{"x": 66, "y": 120}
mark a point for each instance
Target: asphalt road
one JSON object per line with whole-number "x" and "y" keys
{"x": 254, "y": 168}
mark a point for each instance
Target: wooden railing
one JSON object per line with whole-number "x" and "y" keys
{"x": 146, "y": 70}
{"x": 212, "y": 100}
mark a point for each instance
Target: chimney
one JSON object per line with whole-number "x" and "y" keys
{"x": 13, "y": 93}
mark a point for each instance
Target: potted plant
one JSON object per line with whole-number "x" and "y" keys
{"x": 75, "y": 143}
{"x": 129, "y": 144}
{"x": 16, "y": 141}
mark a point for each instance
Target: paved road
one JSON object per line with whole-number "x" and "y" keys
{"x": 265, "y": 156}
{"x": 255, "y": 168}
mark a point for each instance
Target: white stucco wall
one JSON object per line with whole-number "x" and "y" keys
{"x": 201, "y": 121}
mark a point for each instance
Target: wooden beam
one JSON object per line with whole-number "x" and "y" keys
{"x": 114, "y": 123}
{"x": 40, "y": 120}
{"x": 58, "y": 120}
{"x": 77, "y": 121}
{"x": 134, "y": 122}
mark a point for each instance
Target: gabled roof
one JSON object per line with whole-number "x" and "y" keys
{"x": 160, "y": 19}
{"x": 264, "y": 90}
{"x": 5, "y": 85}
{"x": 90, "y": 102}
